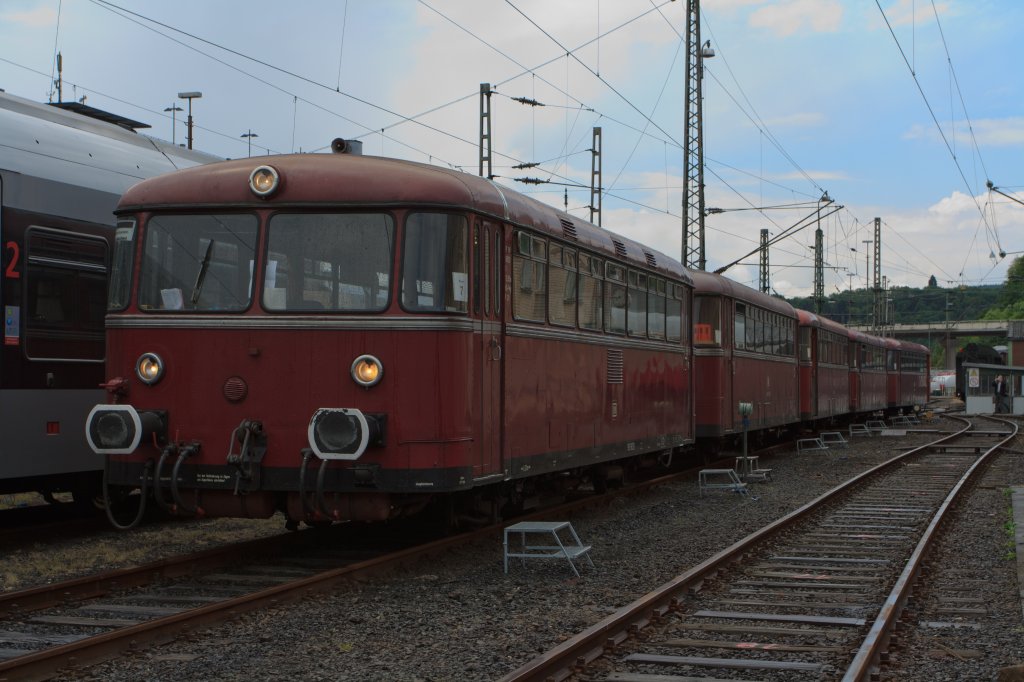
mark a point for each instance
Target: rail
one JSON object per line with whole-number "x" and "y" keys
{"x": 610, "y": 634}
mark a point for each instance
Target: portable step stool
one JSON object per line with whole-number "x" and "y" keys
{"x": 527, "y": 548}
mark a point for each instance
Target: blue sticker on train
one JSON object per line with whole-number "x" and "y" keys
{"x": 12, "y": 325}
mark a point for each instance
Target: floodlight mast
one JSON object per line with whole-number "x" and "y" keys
{"x": 191, "y": 95}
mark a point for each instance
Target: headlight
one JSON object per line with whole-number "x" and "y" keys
{"x": 149, "y": 368}
{"x": 263, "y": 181}
{"x": 367, "y": 370}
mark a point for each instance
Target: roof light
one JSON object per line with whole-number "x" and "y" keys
{"x": 264, "y": 181}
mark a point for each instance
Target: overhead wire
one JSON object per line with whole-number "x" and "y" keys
{"x": 931, "y": 111}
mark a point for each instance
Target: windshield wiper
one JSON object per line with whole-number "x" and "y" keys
{"x": 201, "y": 277}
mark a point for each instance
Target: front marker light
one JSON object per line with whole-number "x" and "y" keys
{"x": 367, "y": 371}
{"x": 149, "y": 368}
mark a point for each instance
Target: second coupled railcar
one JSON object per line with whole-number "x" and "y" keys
{"x": 61, "y": 174}
{"x": 743, "y": 352}
{"x": 347, "y": 337}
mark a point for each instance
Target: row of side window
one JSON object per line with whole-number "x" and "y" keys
{"x": 566, "y": 287}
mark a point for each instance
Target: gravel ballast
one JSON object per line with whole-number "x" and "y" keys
{"x": 459, "y": 617}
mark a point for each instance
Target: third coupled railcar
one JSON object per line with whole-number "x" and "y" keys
{"x": 346, "y": 337}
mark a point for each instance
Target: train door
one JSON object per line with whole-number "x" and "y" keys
{"x": 815, "y": 361}
{"x": 488, "y": 287}
{"x": 3, "y": 274}
{"x": 728, "y": 309}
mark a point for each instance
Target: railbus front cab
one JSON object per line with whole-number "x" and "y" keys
{"x": 343, "y": 337}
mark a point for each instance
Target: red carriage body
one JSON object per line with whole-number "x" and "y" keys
{"x": 347, "y": 337}
{"x": 915, "y": 367}
{"x": 868, "y": 379}
{"x": 745, "y": 351}
{"x": 824, "y": 351}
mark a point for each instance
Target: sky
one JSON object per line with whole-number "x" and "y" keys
{"x": 898, "y": 109}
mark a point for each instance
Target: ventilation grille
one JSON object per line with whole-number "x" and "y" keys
{"x": 620, "y": 248}
{"x": 568, "y": 229}
{"x": 235, "y": 389}
{"x": 615, "y": 367}
{"x": 651, "y": 260}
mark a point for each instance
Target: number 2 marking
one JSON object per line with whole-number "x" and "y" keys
{"x": 12, "y": 267}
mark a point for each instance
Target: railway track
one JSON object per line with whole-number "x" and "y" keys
{"x": 81, "y": 622}
{"x": 815, "y": 595}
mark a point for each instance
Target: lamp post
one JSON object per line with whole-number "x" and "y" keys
{"x": 190, "y": 96}
{"x": 249, "y": 135}
{"x": 745, "y": 410}
{"x": 174, "y": 109}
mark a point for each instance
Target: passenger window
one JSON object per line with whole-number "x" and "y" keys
{"x": 528, "y": 271}
{"x": 66, "y": 295}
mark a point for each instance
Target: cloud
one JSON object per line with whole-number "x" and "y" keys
{"x": 799, "y": 119}
{"x": 793, "y": 16}
{"x": 989, "y": 132}
{"x": 906, "y": 12}
{"x": 956, "y": 205}
{"x": 40, "y": 17}
{"x": 818, "y": 175}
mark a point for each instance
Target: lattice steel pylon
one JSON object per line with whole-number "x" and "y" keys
{"x": 693, "y": 252}
{"x": 595, "y": 177}
{"x": 819, "y": 270}
{"x": 485, "y": 131}
{"x": 878, "y": 321}
{"x": 764, "y": 281}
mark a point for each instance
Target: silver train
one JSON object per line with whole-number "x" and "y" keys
{"x": 62, "y": 170}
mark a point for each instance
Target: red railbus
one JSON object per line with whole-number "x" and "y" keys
{"x": 343, "y": 337}
{"x": 868, "y": 379}
{"x": 914, "y": 368}
{"x": 745, "y": 351}
{"x": 824, "y": 351}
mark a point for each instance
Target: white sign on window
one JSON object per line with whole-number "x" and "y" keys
{"x": 460, "y": 287}
{"x": 972, "y": 377}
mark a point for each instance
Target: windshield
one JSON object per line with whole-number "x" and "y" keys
{"x": 197, "y": 262}
{"x": 328, "y": 261}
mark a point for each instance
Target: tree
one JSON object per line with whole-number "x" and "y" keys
{"x": 932, "y": 282}
{"x": 1011, "y": 297}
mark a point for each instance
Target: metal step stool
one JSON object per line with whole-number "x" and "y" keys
{"x": 571, "y": 549}
{"x": 832, "y": 438}
{"x": 720, "y": 479}
{"x": 806, "y": 444}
